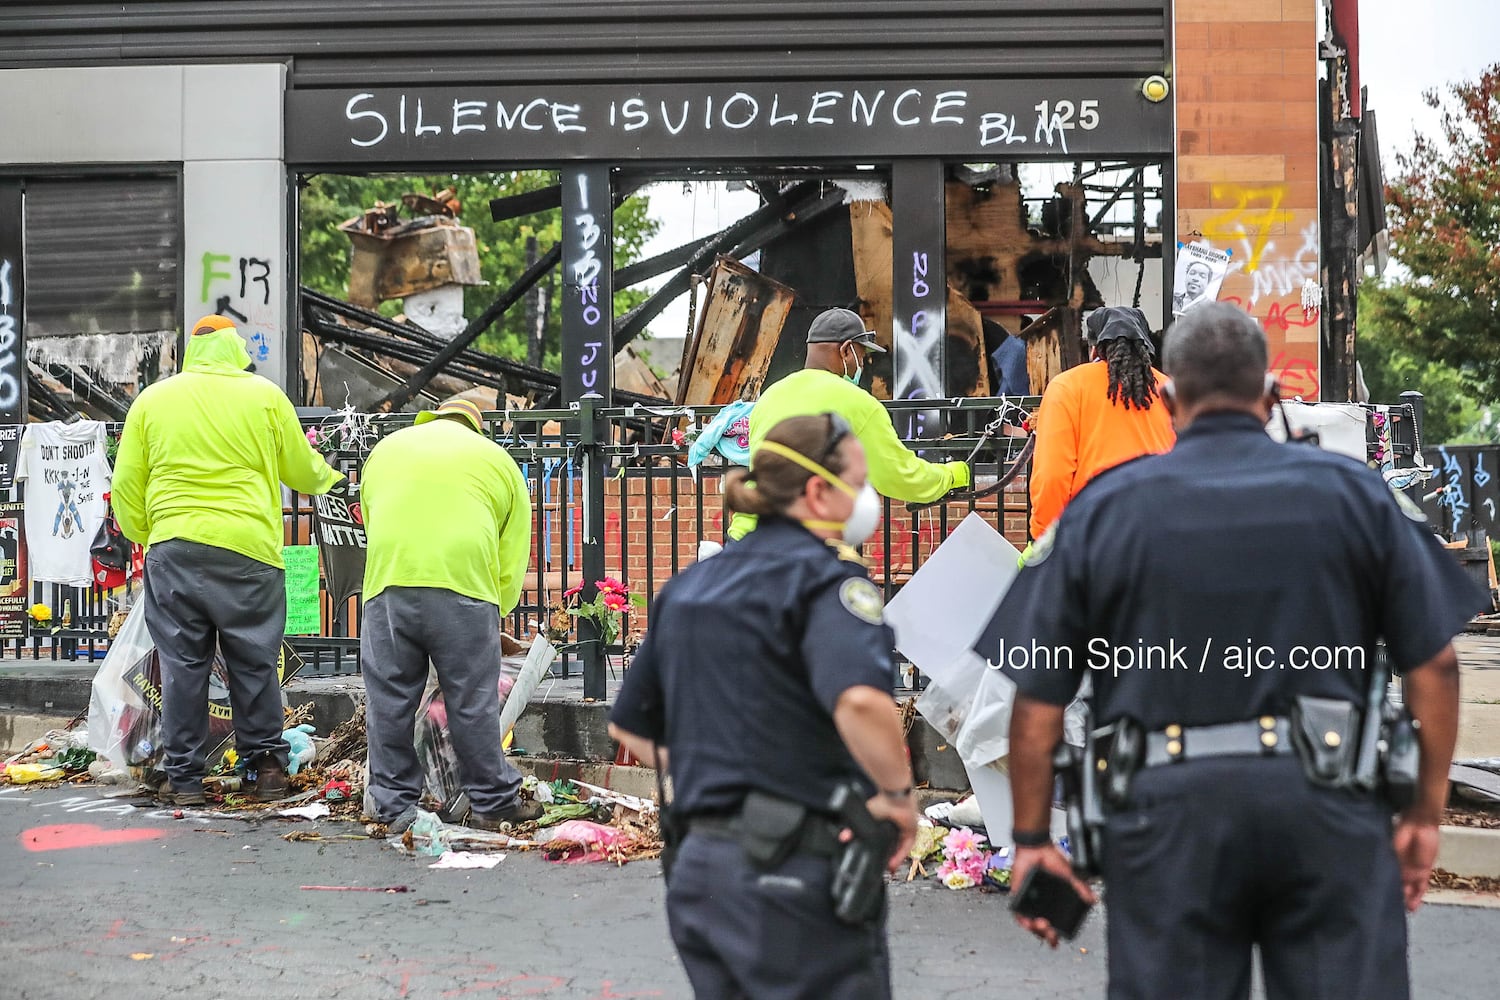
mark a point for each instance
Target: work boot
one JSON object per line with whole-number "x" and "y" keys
{"x": 172, "y": 795}
{"x": 499, "y": 822}
{"x": 270, "y": 781}
{"x": 402, "y": 822}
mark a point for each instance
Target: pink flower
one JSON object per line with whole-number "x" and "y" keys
{"x": 572, "y": 591}
{"x": 962, "y": 843}
{"x": 312, "y": 436}
{"x": 609, "y": 585}
{"x": 615, "y": 602}
{"x": 677, "y": 437}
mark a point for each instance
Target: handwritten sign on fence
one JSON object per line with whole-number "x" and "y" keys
{"x": 302, "y": 612}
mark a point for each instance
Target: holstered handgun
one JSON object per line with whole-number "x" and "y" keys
{"x": 672, "y": 827}
{"x": 1389, "y": 757}
{"x": 858, "y": 887}
{"x": 1081, "y": 800}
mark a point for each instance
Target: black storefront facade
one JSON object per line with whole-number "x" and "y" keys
{"x": 613, "y": 94}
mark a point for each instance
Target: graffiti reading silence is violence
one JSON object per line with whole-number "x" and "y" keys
{"x": 599, "y": 120}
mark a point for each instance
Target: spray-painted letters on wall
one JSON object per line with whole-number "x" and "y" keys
{"x": 735, "y": 121}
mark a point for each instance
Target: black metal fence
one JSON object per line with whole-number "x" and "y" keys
{"x": 650, "y": 509}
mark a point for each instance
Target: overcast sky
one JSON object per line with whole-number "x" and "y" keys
{"x": 1406, "y": 48}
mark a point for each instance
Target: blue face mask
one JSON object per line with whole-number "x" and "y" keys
{"x": 859, "y": 370}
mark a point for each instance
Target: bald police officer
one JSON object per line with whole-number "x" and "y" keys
{"x": 1227, "y": 684}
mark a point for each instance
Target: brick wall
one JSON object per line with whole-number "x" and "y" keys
{"x": 640, "y": 542}
{"x": 1246, "y": 83}
{"x": 631, "y": 530}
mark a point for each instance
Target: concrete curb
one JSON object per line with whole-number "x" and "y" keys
{"x": 1469, "y": 851}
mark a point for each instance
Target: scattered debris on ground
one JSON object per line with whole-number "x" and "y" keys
{"x": 1471, "y": 816}
{"x": 1447, "y": 880}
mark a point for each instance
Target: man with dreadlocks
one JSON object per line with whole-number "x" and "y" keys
{"x": 1099, "y": 414}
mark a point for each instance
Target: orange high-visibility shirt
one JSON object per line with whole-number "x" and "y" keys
{"x": 1081, "y": 432}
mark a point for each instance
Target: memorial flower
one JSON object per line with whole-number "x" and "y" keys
{"x": 965, "y": 859}
{"x": 607, "y": 609}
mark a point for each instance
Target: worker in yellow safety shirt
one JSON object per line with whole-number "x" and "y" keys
{"x": 197, "y": 480}
{"x": 448, "y": 528}
{"x": 837, "y": 343}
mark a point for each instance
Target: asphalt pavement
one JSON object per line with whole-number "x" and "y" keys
{"x": 104, "y": 899}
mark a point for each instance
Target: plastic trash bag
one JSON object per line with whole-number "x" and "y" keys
{"x": 519, "y": 677}
{"x": 123, "y": 728}
{"x": 125, "y": 700}
{"x": 973, "y": 712}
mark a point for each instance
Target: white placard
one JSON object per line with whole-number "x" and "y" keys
{"x": 947, "y": 603}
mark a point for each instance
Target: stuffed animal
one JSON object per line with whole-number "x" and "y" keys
{"x": 303, "y": 751}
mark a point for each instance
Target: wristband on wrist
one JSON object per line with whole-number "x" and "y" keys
{"x": 898, "y": 794}
{"x": 1031, "y": 838}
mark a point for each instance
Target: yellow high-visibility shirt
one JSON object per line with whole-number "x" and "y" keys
{"x": 895, "y": 471}
{"x": 204, "y": 451}
{"x": 445, "y": 507}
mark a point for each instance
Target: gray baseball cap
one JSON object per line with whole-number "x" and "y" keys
{"x": 838, "y": 326}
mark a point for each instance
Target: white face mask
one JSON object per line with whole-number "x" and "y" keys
{"x": 865, "y": 514}
{"x": 864, "y": 517}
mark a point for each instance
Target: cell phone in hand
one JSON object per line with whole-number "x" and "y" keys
{"x": 1051, "y": 897}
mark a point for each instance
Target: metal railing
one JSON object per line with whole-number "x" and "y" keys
{"x": 649, "y": 512}
{"x": 652, "y": 508}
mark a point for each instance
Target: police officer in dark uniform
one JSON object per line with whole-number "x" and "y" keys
{"x": 765, "y": 679}
{"x": 1227, "y": 598}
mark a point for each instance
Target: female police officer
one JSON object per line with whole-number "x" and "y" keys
{"x": 766, "y": 677}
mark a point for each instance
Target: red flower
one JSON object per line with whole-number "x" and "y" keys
{"x": 677, "y": 437}
{"x": 572, "y": 591}
{"x": 615, "y": 602}
{"x": 609, "y": 585}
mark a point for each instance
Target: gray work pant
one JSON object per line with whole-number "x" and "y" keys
{"x": 196, "y": 596}
{"x": 402, "y": 628}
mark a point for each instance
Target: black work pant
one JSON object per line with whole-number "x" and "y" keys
{"x": 197, "y": 596}
{"x": 1214, "y": 857}
{"x": 748, "y": 934}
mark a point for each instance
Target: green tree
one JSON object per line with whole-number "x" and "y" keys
{"x": 330, "y": 199}
{"x": 1444, "y": 217}
{"x": 1453, "y": 411}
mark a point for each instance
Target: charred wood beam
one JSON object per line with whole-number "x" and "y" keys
{"x": 406, "y": 392}
{"x": 44, "y": 401}
{"x": 89, "y": 391}
{"x": 414, "y": 334}
{"x": 1136, "y": 176}
{"x": 405, "y": 351}
{"x": 513, "y": 206}
{"x": 744, "y": 237}
{"x": 634, "y": 274}
{"x": 474, "y": 366}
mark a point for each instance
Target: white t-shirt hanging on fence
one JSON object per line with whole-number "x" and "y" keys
{"x": 65, "y": 474}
